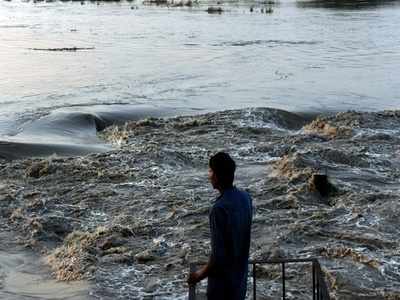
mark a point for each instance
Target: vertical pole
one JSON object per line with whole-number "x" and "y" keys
{"x": 254, "y": 282}
{"x": 283, "y": 282}
{"x": 313, "y": 280}
{"x": 318, "y": 278}
{"x": 192, "y": 287}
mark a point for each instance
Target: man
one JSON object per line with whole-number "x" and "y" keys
{"x": 230, "y": 225}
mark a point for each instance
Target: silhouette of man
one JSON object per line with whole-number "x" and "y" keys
{"x": 230, "y": 226}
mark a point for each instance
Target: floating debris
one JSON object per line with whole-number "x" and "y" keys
{"x": 62, "y": 49}
{"x": 214, "y": 10}
{"x": 269, "y": 10}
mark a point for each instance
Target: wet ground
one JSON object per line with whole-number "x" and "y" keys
{"x": 131, "y": 219}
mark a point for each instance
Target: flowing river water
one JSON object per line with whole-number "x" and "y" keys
{"x": 307, "y": 57}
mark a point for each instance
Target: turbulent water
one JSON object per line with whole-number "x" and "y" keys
{"x": 130, "y": 220}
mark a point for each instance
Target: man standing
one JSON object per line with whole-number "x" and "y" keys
{"x": 230, "y": 225}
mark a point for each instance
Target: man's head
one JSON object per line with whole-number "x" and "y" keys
{"x": 221, "y": 171}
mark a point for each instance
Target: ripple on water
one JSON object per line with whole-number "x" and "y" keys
{"x": 270, "y": 43}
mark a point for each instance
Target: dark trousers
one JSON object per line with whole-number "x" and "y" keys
{"x": 220, "y": 289}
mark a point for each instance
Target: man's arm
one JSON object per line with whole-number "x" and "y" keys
{"x": 200, "y": 274}
{"x": 217, "y": 223}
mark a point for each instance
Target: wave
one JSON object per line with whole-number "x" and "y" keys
{"x": 70, "y": 132}
{"x": 261, "y": 117}
{"x": 73, "y": 131}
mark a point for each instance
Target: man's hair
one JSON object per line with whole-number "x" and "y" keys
{"x": 224, "y": 168}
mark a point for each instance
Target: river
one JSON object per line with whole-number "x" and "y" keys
{"x": 141, "y": 60}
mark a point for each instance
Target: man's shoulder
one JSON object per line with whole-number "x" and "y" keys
{"x": 241, "y": 193}
{"x": 219, "y": 204}
{"x": 244, "y": 192}
{"x": 233, "y": 197}
{"x": 218, "y": 210}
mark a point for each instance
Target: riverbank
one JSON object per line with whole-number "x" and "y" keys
{"x": 130, "y": 220}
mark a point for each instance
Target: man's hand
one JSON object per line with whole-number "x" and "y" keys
{"x": 199, "y": 275}
{"x": 194, "y": 277}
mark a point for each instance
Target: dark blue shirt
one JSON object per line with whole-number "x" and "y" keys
{"x": 230, "y": 225}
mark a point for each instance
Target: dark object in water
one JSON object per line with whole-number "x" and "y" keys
{"x": 214, "y": 10}
{"x": 37, "y": 170}
{"x": 155, "y": 2}
{"x": 61, "y": 49}
{"x": 269, "y": 2}
{"x": 188, "y": 3}
{"x": 320, "y": 183}
{"x": 269, "y": 10}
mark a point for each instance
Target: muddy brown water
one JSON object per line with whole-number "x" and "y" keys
{"x": 25, "y": 276}
{"x": 130, "y": 220}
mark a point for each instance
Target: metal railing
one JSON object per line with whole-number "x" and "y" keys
{"x": 319, "y": 287}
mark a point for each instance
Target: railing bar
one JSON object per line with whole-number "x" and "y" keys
{"x": 320, "y": 290}
{"x": 283, "y": 281}
{"x": 318, "y": 277}
{"x": 313, "y": 280}
{"x": 278, "y": 261}
{"x": 192, "y": 287}
{"x": 271, "y": 261}
{"x": 254, "y": 282}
